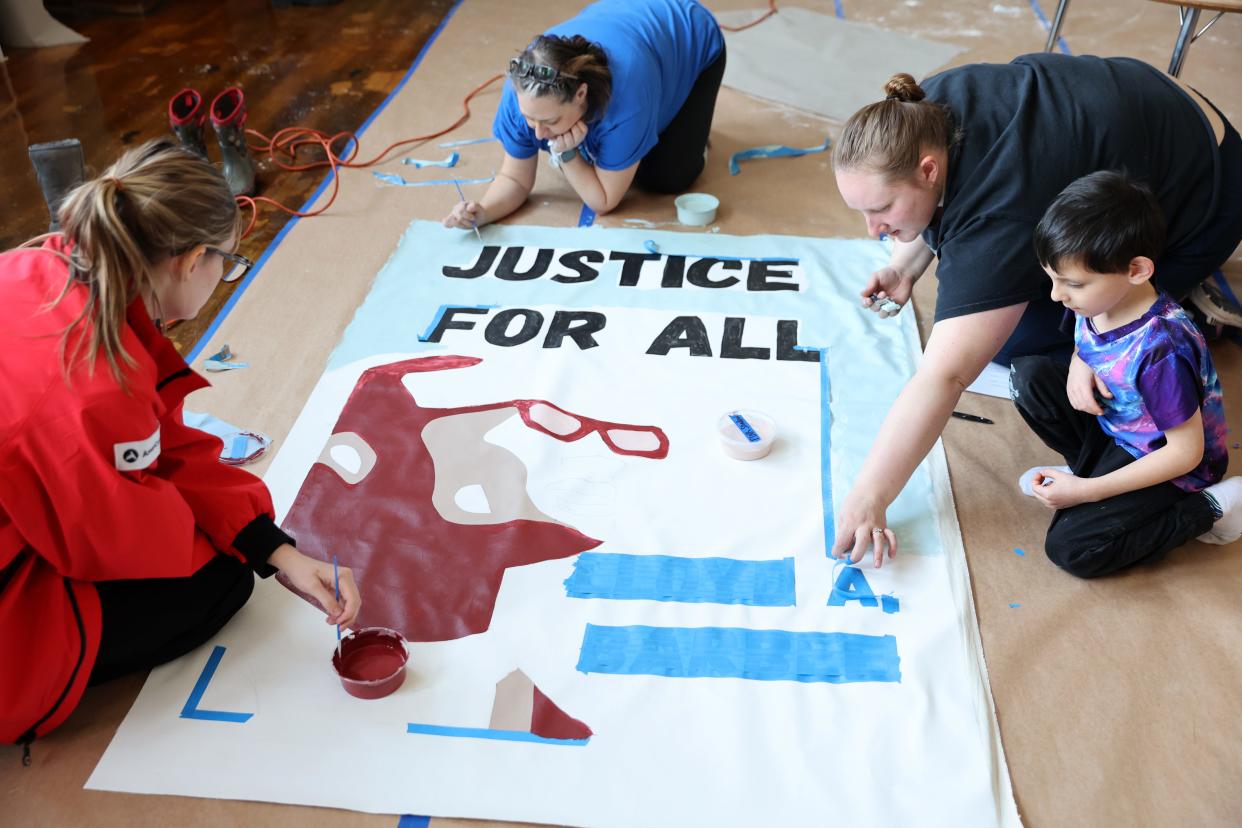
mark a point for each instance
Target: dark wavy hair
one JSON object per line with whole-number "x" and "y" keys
{"x": 574, "y": 56}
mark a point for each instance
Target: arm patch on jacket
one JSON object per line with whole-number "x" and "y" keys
{"x": 140, "y": 454}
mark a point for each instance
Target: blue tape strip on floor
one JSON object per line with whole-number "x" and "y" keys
{"x": 487, "y": 733}
{"x": 392, "y": 178}
{"x": 840, "y": 9}
{"x": 773, "y": 151}
{"x": 735, "y": 652}
{"x": 323, "y": 185}
{"x": 191, "y": 709}
{"x": 412, "y": 821}
{"x": 622, "y": 577}
{"x": 587, "y": 217}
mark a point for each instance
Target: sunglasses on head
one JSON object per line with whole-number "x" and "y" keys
{"x": 538, "y": 72}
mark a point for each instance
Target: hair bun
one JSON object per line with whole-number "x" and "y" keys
{"x": 902, "y": 87}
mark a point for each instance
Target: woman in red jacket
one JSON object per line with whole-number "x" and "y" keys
{"x": 124, "y": 542}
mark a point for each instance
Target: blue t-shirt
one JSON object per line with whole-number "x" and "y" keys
{"x": 1160, "y": 372}
{"x": 656, "y": 50}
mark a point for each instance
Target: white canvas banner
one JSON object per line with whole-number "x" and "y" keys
{"x": 516, "y": 447}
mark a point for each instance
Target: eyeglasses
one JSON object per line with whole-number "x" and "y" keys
{"x": 554, "y": 421}
{"x": 538, "y": 72}
{"x": 240, "y": 263}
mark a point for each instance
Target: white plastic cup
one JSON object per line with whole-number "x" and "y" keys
{"x": 746, "y": 434}
{"x": 696, "y": 209}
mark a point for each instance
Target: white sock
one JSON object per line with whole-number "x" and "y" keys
{"x": 1227, "y": 495}
{"x": 1027, "y": 481}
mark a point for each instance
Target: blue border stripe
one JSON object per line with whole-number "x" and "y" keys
{"x": 191, "y": 711}
{"x": 487, "y": 733}
{"x": 686, "y": 580}
{"x": 258, "y": 265}
{"x": 1047, "y": 24}
{"x": 740, "y": 653}
{"x": 825, "y": 450}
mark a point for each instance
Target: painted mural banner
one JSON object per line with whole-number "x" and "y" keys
{"x": 517, "y": 448}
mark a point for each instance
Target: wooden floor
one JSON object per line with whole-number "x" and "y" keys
{"x": 325, "y": 67}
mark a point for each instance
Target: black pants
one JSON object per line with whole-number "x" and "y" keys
{"x": 676, "y": 160}
{"x": 1178, "y": 272}
{"x": 148, "y": 622}
{"x": 1093, "y": 539}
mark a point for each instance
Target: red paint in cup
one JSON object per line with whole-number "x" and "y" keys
{"x": 371, "y": 662}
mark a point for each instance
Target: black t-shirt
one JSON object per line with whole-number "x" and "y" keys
{"x": 1030, "y": 128}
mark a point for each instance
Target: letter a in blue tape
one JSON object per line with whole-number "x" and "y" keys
{"x": 851, "y": 585}
{"x": 191, "y": 709}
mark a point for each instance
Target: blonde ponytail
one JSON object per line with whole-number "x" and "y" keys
{"x": 889, "y": 137}
{"x": 157, "y": 201}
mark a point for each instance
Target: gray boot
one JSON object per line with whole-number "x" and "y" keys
{"x": 187, "y": 117}
{"x": 228, "y": 118}
{"x": 60, "y": 167}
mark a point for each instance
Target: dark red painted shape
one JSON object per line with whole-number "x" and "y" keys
{"x": 549, "y": 721}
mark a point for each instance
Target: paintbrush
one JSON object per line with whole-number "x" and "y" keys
{"x": 336, "y": 579}
{"x": 474, "y": 224}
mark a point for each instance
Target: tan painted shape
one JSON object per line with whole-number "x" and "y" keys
{"x": 515, "y": 703}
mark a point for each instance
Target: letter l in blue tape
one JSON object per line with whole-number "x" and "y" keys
{"x": 191, "y": 709}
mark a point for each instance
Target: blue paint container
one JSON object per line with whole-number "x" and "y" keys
{"x": 746, "y": 434}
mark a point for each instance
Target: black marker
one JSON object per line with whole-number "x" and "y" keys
{"x": 972, "y": 418}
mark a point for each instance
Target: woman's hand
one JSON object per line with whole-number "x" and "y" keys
{"x": 887, "y": 283}
{"x": 570, "y": 138}
{"x": 465, "y": 216}
{"x": 862, "y": 524}
{"x": 1082, "y": 385}
{"x": 315, "y": 578}
{"x": 1060, "y": 490}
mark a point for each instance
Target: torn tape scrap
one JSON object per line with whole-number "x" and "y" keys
{"x": 773, "y": 151}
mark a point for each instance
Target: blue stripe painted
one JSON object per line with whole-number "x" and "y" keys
{"x": 734, "y": 652}
{"x": 825, "y": 454}
{"x": 587, "y": 217}
{"x": 487, "y": 733}
{"x": 1043, "y": 20}
{"x": 412, "y": 821}
{"x": 323, "y": 185}
{"x": 191, "y": 711}
{"x": 435, "y": 320}
{"x": 686, "y": 580}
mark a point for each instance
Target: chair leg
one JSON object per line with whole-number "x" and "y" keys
{"x": 1190, "y": 19}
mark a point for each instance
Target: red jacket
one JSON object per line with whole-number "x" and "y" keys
{"x": 97, "y": 483}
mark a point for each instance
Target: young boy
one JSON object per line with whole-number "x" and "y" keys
{"x": 1147, "y": 455}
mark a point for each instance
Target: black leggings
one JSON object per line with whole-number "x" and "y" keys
{"x": 676, "y": 160}
{"x": 150, "y": 621}
{"x": 1093, "y": 539}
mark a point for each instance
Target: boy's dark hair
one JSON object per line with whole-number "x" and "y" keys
{"x": 1101, "y": 221}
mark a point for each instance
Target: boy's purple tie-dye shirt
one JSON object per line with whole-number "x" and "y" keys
{"x": 1160, "y": 372}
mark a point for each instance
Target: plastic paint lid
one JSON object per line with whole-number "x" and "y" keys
{"x": 746, "y": 434}
{"x": 371, "y": 662}
{"x": 696, "y": 208}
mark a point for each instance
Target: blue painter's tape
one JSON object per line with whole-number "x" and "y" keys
{"x": 323, "y": 186}
{"x": 746, "y": 428}
{"x": 418, "y": 164}
{"x": 587, "y": 217}
{"x": 191, "y": 710}
{"x": 773, "y": 151}
{"x": 1014, "y": 606}
{"x": 1043, "y": 20}
{"x": 825, "y": 454}
{"x": 435, "y": 320}
{"x": 412, "y": 821}
{"x": 392, "y": 178}
{"x": 686, "y": 580}
{"x": 467, "y": 142}
{"x": 734, "y": 652}
{"x": 1019, "y": 552}
{"x": 890, "y": 604}
{"x": 840, "y": 9}
{"x": 851, "y": 585}
{"x": 487, "y": 733}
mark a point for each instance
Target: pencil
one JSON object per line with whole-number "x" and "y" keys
{"x": 972, "y": 418}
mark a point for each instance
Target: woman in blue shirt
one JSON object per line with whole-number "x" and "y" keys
{"x": 623, "y": 93}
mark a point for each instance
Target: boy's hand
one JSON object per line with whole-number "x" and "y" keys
{"x": 1061, "y": 490}
{"x": 1082, "y": 385}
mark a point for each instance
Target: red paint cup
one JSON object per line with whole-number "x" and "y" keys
{"x": 371, "y": 662}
